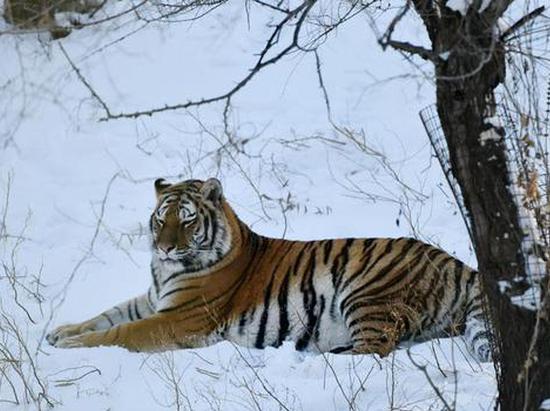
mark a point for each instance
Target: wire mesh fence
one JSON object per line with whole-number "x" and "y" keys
{"x": 527, "y": 140}
{"x": 432, "y": 125}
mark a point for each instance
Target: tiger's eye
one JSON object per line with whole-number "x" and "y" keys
{"x": 187, "y": 217}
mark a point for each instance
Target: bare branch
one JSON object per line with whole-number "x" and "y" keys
{"x": 523, "y": 21}
{"x": 300, "y": 12}
{"x": 411, "y": 49}
{"x": 84, "y": 81}
{"x": 385, "y": 40}
{"x": 424, "y": 370}
{"x": 271, "y": 6}
{"x": 322, "y": 86}
{"x": 391, "y": 27}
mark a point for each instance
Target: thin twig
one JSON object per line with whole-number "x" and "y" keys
{"x": 84, "y": 81}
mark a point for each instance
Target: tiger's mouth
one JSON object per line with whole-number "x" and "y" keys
{"x": 172, "y": 255}
{"x": 176, "y": 255}
{"x": 164, "y": 257}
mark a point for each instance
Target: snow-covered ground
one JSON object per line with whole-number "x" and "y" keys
{"x": 80, "y": 192}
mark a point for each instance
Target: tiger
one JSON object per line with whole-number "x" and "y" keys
{"x": 215, "y": 279}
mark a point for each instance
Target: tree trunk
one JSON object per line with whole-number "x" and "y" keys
{"x": 465, "y": 81}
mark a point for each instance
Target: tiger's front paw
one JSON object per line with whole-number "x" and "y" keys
{"x": 84, "y": 339}
{"x": 69, "y": 342}
{"x": 64, "y": 332}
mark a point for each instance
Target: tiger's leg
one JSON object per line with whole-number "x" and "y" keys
{"x": 375, "y": 328}
{"x": 131, "y": 310}
{"x": 156, "y": 333}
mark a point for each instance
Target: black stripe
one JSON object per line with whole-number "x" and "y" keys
{"x": 402, "y": 275}
{"x": 243, "y": 321}
{"x": 138, "y": 315}
{"x": 309, "y": 301}
{"x": 474, "y": 276}
{"x": 356, "y": 305}
{"x": 367, "y": 252}
{"x": 369, "y": 328}
{"x": 430, "y": 317}
{"x": 319, "y": 316}
{"x": 155, "y": 280}
{"x": 205, "y": 227}
{"x": 405, "y": 273}
{"x": 340, "y": 262}
{"x": 108, "y": 319}
{"x": 119, "y": 311}
{"x": 182, "y": 305}
{"x": 338, "y": 270}
{"x": 264, "y": 243}
{"x": 482, "y": 334}
{"x": 232, "y": 290}
{"x": 260, "y": 245}
{"x": 253, "y": 240}
{"x": 265, "y": 314}
{"x": 190, "y": 267}
{"x": 382, "y": 272}
{"x": 150, "y": 301}
{"x": 342, "y": 349}
{"x": 222, "y": 329}
{"x": 298, "y": 260}
{"x": 129, "y": 309}
{"x": 458, "y": 285}
{"x": 282, "y": 300}
{"x": 381, "y": 255}
{"x": 367, "y": 243}
{"x": 474, "y": 306}
{"x": 214, "y": 224}
{"x": 327, "y": 248}
{"x": 175, "y": 290}
{"x": 439, "y": 292}
{"x": 371, "y": 316}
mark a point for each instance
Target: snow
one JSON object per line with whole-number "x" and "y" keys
{"x": 236, "y": 378}
{"x": 545, "y": 405}
{"x": 493, "y": 121}
{"x": 503, "y": 25}
{"x": 484, "y": 5}
{"x": 489, "y": 135}
{"x": 462, "y": 6}
{"x": 81, "y": 192}
{"x": 445, "y": 55}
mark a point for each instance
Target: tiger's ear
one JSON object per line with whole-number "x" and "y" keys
{"x": 212, "y": 190}
{"x": 160, "y": 185}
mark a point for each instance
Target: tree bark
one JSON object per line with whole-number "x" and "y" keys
{"x": 472, "y": 67}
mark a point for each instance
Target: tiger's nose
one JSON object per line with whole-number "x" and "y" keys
{"x": 166, "y": 248}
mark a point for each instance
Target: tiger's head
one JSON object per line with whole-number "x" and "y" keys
{"x": 189, "y": 226}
